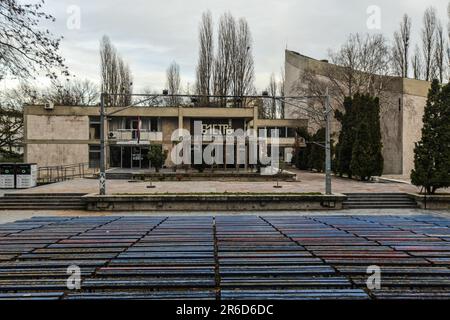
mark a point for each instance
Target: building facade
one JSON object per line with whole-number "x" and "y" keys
{"x": 402, "y": 104}
{"x": 68, "y": 135}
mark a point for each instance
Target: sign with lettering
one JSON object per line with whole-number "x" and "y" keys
{"x": 224, "y": 129}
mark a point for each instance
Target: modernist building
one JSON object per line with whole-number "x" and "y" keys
{"x": 402, "y": 105}
{"x": 71, "y": 134}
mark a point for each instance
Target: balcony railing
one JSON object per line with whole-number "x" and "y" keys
{"x": 132, "y": 135}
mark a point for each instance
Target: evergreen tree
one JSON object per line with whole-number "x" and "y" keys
{"x": 376, "y": 146}
{"x": 367, "y": 158}
{"x": 346, "y": 139}
{"x": 157, "y": 156}
{"x": 301, "y": 157}
{"x": 317, "y": 151}
{"x": 432, "y": 152}
{"x": 361, "y": 156}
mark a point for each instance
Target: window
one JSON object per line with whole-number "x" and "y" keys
{"x": 94, "y": 156}
{"x": 270, "y": 130}
{"x": 291, "y": 132}
{"x": 154, "y": 125}
{"x": 115, "y": 156}
{"x": 94, "y": 128}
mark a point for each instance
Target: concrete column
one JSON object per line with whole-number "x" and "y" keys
{"x": 255, "y": 128}
{"x": 107, "y": 144}
{"x": 180, "y": 118}
{"x": 255, "y": 120}
{"x": 180, "y": 124}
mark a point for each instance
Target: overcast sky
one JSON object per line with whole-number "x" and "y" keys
{"x": 150, "y": 34}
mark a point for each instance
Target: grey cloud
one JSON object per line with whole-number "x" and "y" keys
{"x": 151, "y": 34}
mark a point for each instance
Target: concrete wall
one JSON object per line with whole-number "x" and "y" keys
{"x": 59, "y": 140}
{"x": 46, "y": 127}
{"x": 391, "y": 132}
{"x": 413, "y": 110}
{"x": 401, "y": 110}
{"x": 46, "y": 154}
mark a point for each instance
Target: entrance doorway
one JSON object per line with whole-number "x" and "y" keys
{"x": 129, "y": 157}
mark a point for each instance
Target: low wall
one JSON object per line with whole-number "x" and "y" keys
{"x": 219, "y": 202}
{"x": 201, "y": 176}
{"x": 436, "y": 202}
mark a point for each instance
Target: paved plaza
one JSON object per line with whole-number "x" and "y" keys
{"x": 309, "y": 256}
{"x": 306, "y": 182}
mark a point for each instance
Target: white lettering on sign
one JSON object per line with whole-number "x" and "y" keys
{"x": 224, "y": 129}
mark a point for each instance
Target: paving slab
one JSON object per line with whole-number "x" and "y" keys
{"x": 300, "y": 257}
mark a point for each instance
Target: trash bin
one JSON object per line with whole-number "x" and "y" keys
{"x": 26, "y": 175}
{"x": 7, "y": 175}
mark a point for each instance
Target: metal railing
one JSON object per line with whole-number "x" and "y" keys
{"x": 51, "y": 174}
{"x": 132, "y": 134}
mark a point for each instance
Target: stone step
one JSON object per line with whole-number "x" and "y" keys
{"x": 379, "y": 206}
{"x": 15, "y": 196}
{"x": 378, "y": 201}
{"x": 40, "y": 201}
{"x": 44, "y": 194}
{"x": 42, "y": 208}
{"x": 381, "y": 194}
{"x": 375, "y": 198}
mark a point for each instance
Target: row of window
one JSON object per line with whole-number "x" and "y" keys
{"x": 283, "y": 132}
{"x": 117, "y": 123}
{"x": 153, "y": 125}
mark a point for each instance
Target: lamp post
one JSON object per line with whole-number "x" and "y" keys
{"x": 327, "y": 144}
{"x": 102, "y": 146}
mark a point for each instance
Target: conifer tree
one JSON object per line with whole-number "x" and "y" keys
{"x": 367, "y": 158}
{"x": 301, "y": 157}
{"x": 346, "y": 138}
{"x": 432, "y": 152}
{"x": 317, "y": 151}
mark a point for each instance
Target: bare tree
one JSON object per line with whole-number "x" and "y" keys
{"x": 23, "y": 94}
{"x": 281, "y": 89}
{"x": 242, "y": 65}
{"x": 417, "y": 64}
{"x": 362, "y": 64}
{"x": 125, "y": 83}
{"x": 115, "y": 73}
{"x": 11, "y": 128}
{"x": 429, "y": 42}
{"x": 11, "y": 113}
{"x": 402, "y": 39}
{"x": 230, "y": 71}
{"x": 173, "y": 83}
{"x": 440, "y": 53}
{"x": 223, "y": 63}
{"x": 206, "y": 56}
{"x": 268, "y": 109}
{"x": 72, "y": 93}
{"x": 25, "y": 47}
{"x": 448, "y": 32}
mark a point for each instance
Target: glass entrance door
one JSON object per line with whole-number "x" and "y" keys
{"x": 136, "y": 157}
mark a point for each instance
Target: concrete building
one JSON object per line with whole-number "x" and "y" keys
{"x": 402, "y": 106}
{"x": 71, "y": 134}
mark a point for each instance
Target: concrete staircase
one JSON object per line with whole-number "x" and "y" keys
{"x": 378, "y": 201}
{"x": 42, "y": 201}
